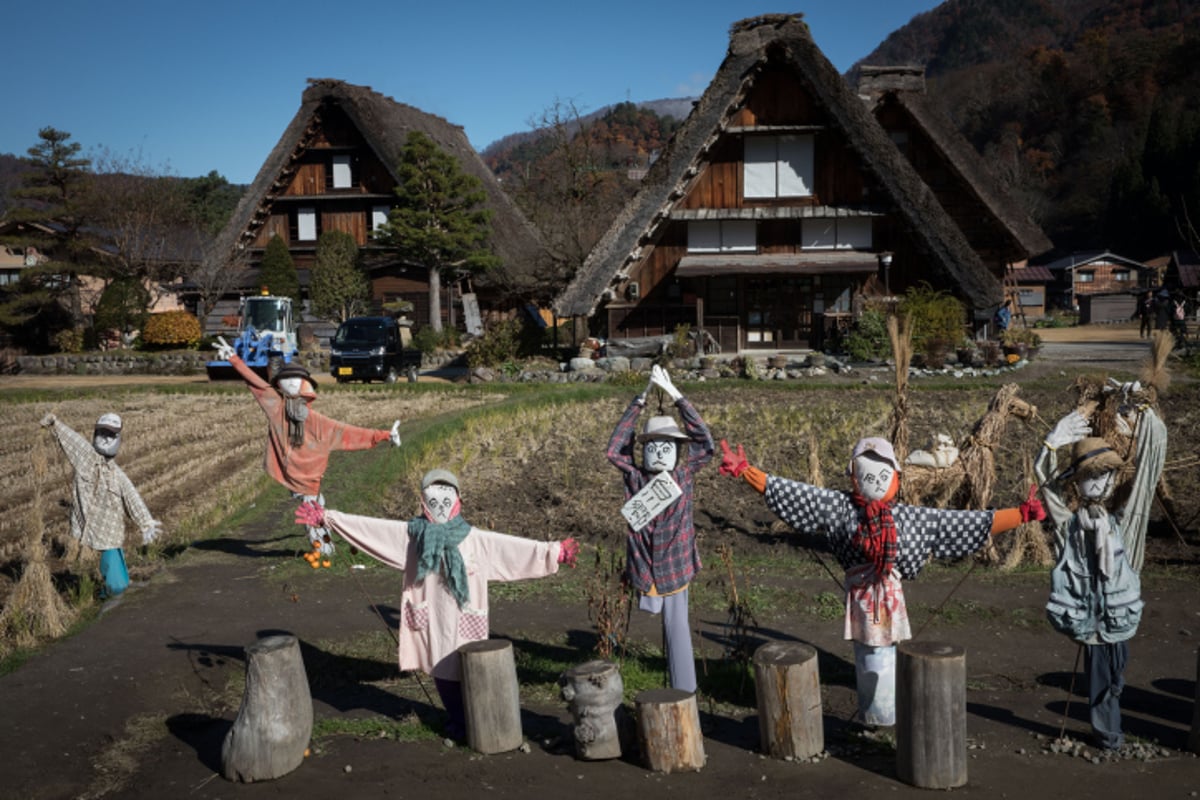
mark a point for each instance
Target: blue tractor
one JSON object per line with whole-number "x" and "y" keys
{"x": 266, "y": 337}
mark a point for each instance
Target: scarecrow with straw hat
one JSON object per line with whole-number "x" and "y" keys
{"x": 103, "y": 496}
{"x": 661, "y": 556}
{"x": 1095, "y": 589}
{"x": 878, "y": 542}
{"x": 447, "y": 564}
{"x": 299, "y": 440}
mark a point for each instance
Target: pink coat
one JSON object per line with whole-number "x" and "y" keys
{"x": 432, "y": 626}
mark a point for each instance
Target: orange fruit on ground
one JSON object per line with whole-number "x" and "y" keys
{"x": 326, "y": 563}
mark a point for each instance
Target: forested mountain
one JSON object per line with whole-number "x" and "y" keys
{"x": 1088, "y": 110}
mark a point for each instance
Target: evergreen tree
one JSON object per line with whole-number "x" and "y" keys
{"x": 339, "y": 289}
{"x": 439, "y": 221}
{"x": 278, "y": 272}
{"x": 122, "y": 306}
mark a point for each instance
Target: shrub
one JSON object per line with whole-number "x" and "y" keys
{"x": 500, "y": 343}
{"x": 868, "y": 339}
{"x": 69, "y": 340}
{"x": 935, "y": 315}
{"x": 172, "y": 329}
{"x": 427, "y": 340}
{"x": 122, "y": 306}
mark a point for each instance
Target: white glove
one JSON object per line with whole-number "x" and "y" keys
{"x": 48, "y": 420}
{"x": 224, "y": 349}
{"x": 153, "y": 532}
{"x": 1070, "y": 429}
{"x": 660, "y": 378}
{"x": 395, "y": 437}
{"x": 641, "y": 398}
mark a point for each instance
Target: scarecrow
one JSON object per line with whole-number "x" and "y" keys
{"x": 878, "y": 542}
{"x": 299, "y": 440}
{"x": 1095, "y": 591}
{"x": 103, "y": 496}
{"x": 661, "y": 555}
{"x": 447, "y": 564}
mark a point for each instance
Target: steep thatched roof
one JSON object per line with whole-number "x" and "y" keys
{"x": 385, "y": 125}
{"x": 781, "y": 39}
{"x": 906, "y": 86}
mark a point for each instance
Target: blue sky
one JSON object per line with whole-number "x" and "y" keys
{"x": 189, "y": 87}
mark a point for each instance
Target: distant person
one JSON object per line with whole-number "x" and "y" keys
{"x": 1179, "y": 318}
{"x": 1004, "y": 316}
{"x": 1162, "y": 310}
{"x": 1144, "y": 313}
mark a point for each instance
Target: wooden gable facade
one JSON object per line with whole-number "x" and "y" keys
{"x": 778, "y": 201}
{"x": 334, "y": 170}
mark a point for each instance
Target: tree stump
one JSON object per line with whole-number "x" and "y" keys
{"x": 788, "y": 689}
{"x": 931, "y": 715}
{"x": 274, "y": 725}
{"x": 1194, "y": 737}
{"x": 491, "y": 700}
{"x": 594, "y": 691}
{"x": 668, "y": 724}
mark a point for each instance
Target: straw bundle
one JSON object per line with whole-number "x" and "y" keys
{"x": 900, "y": 333}
{"x": 1028, "y": 543}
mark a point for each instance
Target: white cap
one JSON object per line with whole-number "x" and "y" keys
{"x": 109, "y": 422}
{"x": 877, "y": 448}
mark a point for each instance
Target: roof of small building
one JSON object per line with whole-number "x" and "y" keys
{"x": 782, "y": 39}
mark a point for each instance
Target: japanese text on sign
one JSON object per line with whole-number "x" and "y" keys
{"x": 655, "y": 496}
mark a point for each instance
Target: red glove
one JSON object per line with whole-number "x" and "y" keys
{"x": 1032, "y": 509}
{"x": 567, "y": 552}
{"x": 310, "y": 513}
{"x": 733, "y": 463}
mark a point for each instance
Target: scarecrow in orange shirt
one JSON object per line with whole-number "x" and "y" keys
{"x": 299, "y": 440}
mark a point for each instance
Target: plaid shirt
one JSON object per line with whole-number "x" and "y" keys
{"x": 662, "y": 556}
{"x": 921, "y": 532}
{"x": 103, "y": 494}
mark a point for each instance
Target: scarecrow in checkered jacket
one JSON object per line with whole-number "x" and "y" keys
{"x": 447, "y": 565}
{"x": 878, "y": 542}
{"x": 661, "y": 556}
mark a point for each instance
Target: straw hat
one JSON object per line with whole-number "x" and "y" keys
{"x": 1091, "y": 457}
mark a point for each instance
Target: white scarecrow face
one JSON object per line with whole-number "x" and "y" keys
{"x": 291, "y": 386}
{"x": 658, "y": 455}
{"x": 441, "y": 500}
{"x": 1096, "y": 487}
{"x": 873, "y": 477}
{"x": 106, "y": 442}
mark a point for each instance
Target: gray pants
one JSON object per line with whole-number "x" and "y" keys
{"x": 1105, "y": 668}
{"x": 680, "y": 665}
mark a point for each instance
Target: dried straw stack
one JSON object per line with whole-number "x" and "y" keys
{"x": 900, "y": 333}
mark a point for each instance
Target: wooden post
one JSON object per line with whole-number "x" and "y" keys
{"x": 1194, "y": 737}
{"x": 668, "y": 723}
{"x": 594, "y": 691}
{"x": 274, "y": 725}
{"x": 788, "y": 688}
{"x": 931, "y": 715}
{"x": 491, "y": 700}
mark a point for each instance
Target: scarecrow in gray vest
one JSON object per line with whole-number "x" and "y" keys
{"x": 1095, "y": 591}
{"x": 103, "y": 495}
{"x": 661, "y": 555}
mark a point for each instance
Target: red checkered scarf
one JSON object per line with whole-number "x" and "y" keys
{"x": 876, "y": 534}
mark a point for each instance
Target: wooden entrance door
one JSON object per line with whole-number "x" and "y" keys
{"x": 777, "y": 312}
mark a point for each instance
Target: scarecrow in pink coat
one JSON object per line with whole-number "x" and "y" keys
{"x": 447, "y": 564}
{"x": 300, "y": 440}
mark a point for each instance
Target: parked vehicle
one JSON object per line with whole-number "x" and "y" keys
{"x": 373, "y": 349}
{"x": 266, "y": 337}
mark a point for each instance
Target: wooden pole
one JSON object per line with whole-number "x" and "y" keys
{"x": 668, "y": 723}
{"x": 1194, "y": 737}
{"x": 491, "y": 700}
{"x": 274, "y": 725}
{"x": 788, "y": 688}
{"x": 931, "y": 715}
{"x": 594, "y": 691}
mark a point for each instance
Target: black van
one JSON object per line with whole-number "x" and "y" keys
{"x": 373, "y": 349}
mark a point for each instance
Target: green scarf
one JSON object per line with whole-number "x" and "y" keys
{"x": 437, "y": 551}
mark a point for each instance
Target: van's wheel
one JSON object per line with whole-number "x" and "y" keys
{"x": 391, "y": 376}
{"x": 412, "y": 374}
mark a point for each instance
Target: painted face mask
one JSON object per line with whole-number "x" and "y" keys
{"x": 441, "y": 502}
{"x": 1096, "y": 487}
{"x": 874, "y": 478}
{"x": 659, "y": 455}
{"x": 290, "y": 387}
{"x": 106, "y": 438}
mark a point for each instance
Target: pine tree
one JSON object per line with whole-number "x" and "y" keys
{"x": 339, "y": 289}
{"x": 278, "y": 272}
{"x": 439, "y": 221}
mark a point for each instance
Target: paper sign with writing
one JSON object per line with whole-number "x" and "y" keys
{"x": 652, "y": 500}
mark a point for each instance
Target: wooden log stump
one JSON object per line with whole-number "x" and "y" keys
{"x": 788, "y": 688}
{"x": 274, "y": 725}
{"x": 931, "y": 715}
{"x": 668, "y": 725}
{"x": 594, "y": 691}
{"x": 1194, "y": 737}
{"x": 491, "y": 700}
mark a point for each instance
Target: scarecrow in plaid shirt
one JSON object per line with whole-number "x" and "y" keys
{"x": 103, "y": 496}
{"x": 877, "y": 542}
{"x": 661, "y": 556}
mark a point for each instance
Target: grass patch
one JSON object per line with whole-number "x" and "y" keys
{"x": 410, "y": 728}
